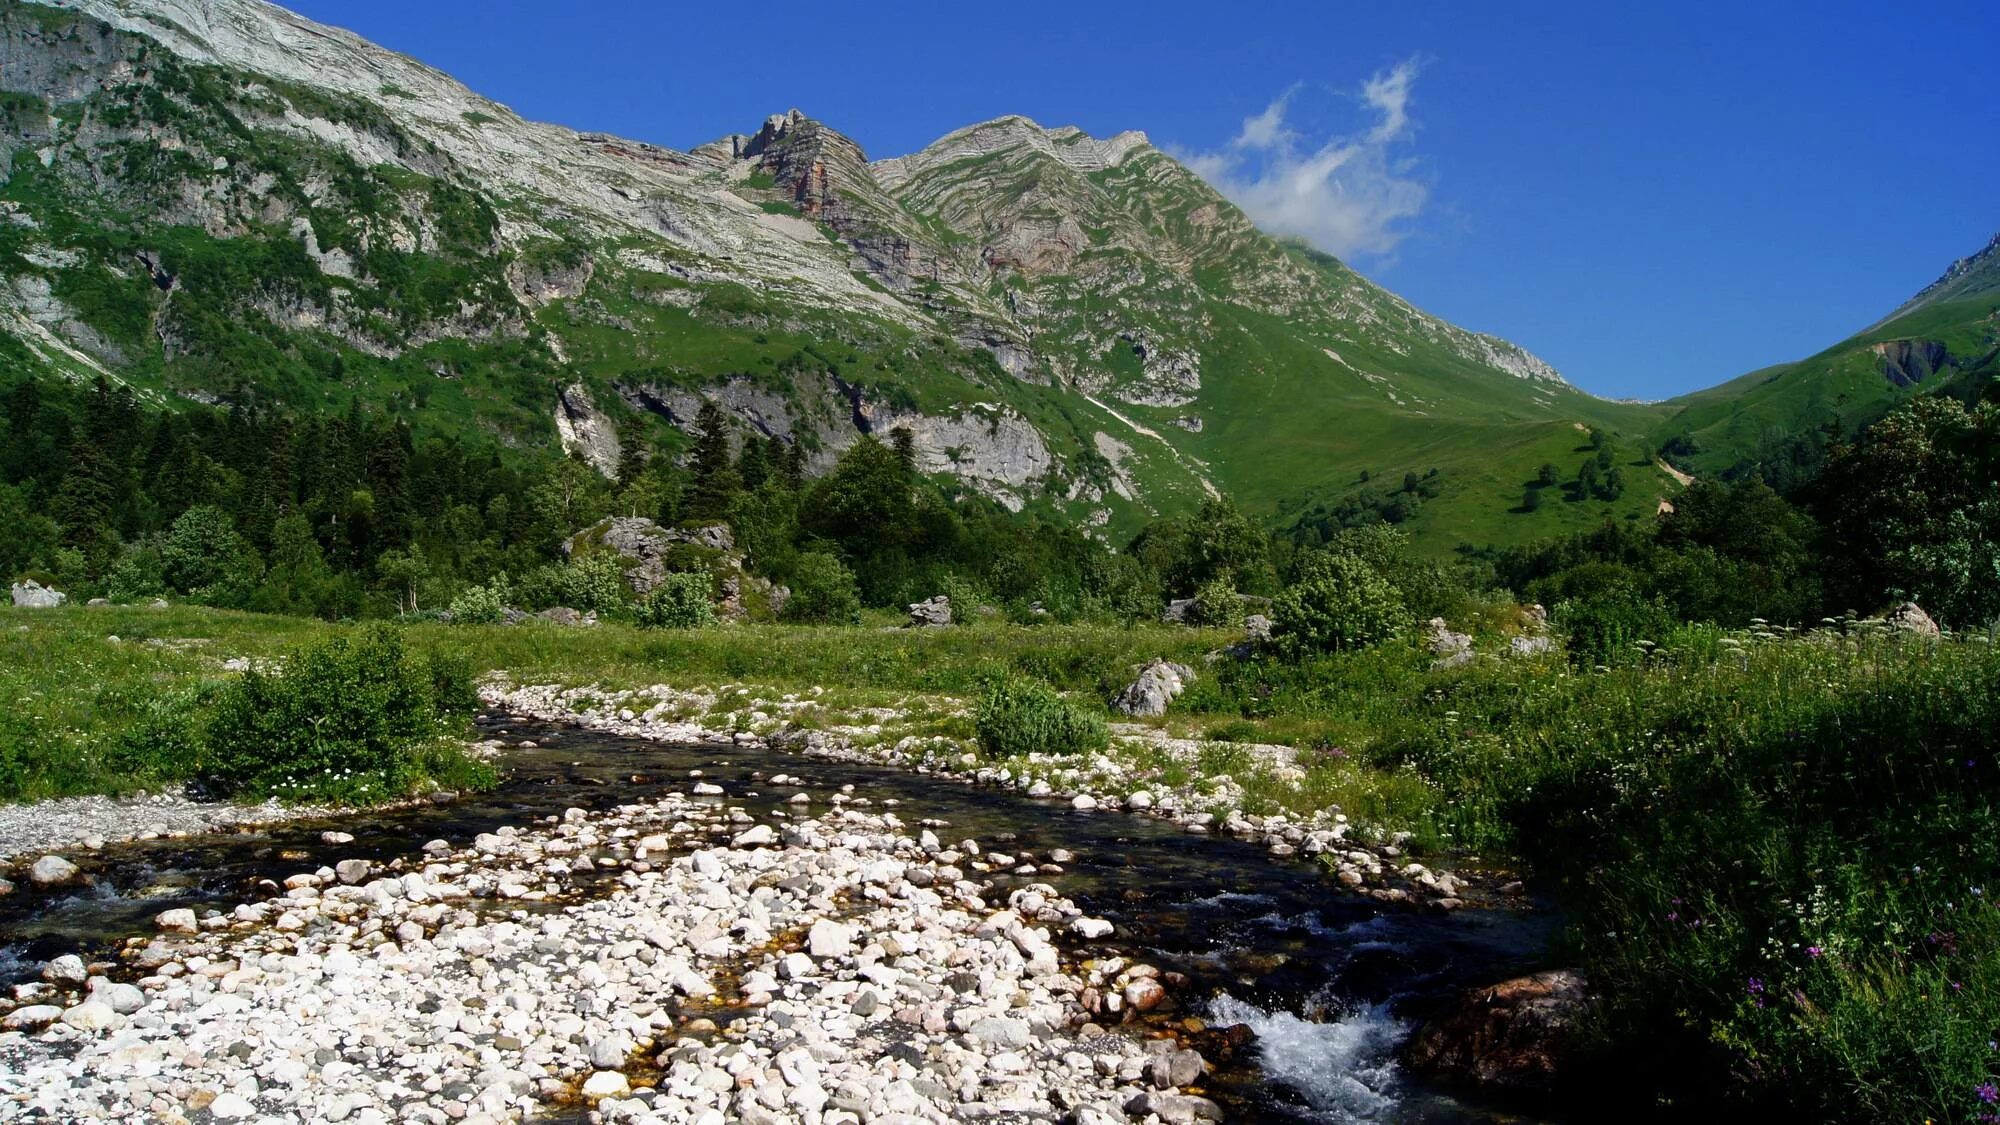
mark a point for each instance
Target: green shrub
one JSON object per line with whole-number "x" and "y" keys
{"x": 166, "y": 743}
{"x": 478, "y": 605}
{"x": 352, "y": 720}
{"x": 823, "y": 592}
{"x": 204, "y": 557}
{"x": 1018, "y": 715}
{"x": 1338, "y": 603}
{"x": 681, "y": 601}
{"x": 1776, "y": 856}
{"x": 593, "y": 584}
{"x": 1216, "y": 603}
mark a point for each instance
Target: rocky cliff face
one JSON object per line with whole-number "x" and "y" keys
{"x": 200, "y": 192}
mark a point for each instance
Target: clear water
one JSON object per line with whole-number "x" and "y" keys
{"x": 1331, "y": 983}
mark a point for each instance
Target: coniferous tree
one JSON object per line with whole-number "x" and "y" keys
{"x": 715, "y": 479}
{"x": 83, "y": 507}
{"x": 632, "y": 459}
{"x": 751, "y": 467}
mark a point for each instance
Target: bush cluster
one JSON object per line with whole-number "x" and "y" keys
{"x": 356, "y": 720}
{"x": 1017, "y": 715}
{"x": 681, "y": 601}
{"x": 1339, "y": 602}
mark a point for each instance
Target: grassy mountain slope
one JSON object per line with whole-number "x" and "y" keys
{"x": 220, "y": 200}
{"x": 1946, "y": 338}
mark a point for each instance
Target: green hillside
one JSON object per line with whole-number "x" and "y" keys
{"x": 1944, "y": 340}
{"x": 1066, "y": 324}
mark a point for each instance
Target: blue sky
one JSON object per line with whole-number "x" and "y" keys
{"x": 1654, "y": 198}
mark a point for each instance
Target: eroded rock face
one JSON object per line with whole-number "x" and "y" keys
{"x": 33, "y": 595}
{"x": 1514, "y": 1037}
{"x": 1909, "y": 362}
{"x": 586, "y": 431}
{"x": 1157, "y": 685}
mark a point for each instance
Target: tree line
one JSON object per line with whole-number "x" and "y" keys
{"x": 357, "y": 514}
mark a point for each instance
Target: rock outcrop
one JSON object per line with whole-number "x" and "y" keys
{"x": 931, "y": 613}
{"x": 1910, "y": 618}
{"x": 1451, "y": 649}
{"x": 1514, "y": 1037}
{"x": 1157, "y": 684}
{"x": 586, "y": 431}
{"x": 33, "y": 595}
{"x": 646, "y": 547}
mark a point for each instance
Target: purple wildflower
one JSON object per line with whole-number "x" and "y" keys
{"x": 1987, "y": 1092}
{"x": 1756, "y": 986}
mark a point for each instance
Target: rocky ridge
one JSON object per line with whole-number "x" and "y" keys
{"x": 990, "y": 292}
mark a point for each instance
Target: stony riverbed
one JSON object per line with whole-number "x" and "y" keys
{"x": 836, "y": 968}
{"x": 1376, "y": 867}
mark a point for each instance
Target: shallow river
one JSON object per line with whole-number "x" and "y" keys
{"x": 1331, "y": 983}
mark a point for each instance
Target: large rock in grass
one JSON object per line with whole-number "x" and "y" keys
{"x": 1514, "y": 1037}
{"x": 650, "y": 551}
{"x": 1451, "y": 649}
{"x": 33, "y": 595}
{"x": 1911, "y": 619}
{"x": 1157, "y": 685}
{"x": 931, "y": 613}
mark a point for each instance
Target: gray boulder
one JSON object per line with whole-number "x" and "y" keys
{"x": 1156, "y": 686}
{"x": 931, "y": 613}
{"x": 1256, "y": 627}
{"x": 1179, "y": 611}
{"x": 33, "y": 595}
{"x": 1910, "y": 618}
{"x": 53, "y": 871}
{"x": 1451, "y": 649}
{"x": 1531, "y": 646}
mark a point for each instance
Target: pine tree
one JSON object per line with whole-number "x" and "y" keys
{"x": 905, "y": 444}
{"x": 83, "y": 507}
{"x": 795, "y": 465}
{"x": 751, "y": 467}
{"x": 715, "y": 479}
{"x": 631, "y": 461}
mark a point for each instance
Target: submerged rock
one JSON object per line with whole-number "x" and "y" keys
{"x": 1513, "y": 1037}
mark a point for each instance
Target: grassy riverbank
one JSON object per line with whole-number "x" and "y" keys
{"x": 1775, "y": 849}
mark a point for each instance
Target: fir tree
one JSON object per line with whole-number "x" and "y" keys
{"x": 715, "y": 479}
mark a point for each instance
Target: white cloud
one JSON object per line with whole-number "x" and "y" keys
{"x": 1349, "y": 196}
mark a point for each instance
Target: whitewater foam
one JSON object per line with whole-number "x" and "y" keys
{"x": 1345, "y": 1069}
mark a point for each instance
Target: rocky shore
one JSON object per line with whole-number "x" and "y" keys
{"x": 92, "y": 822}
{"x": 1377, "y": 868}
{"x": 685, "y": 960}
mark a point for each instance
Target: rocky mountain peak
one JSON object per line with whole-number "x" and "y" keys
{"x": 1969, "y": 276}
{"x": 1067, "y": 145}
